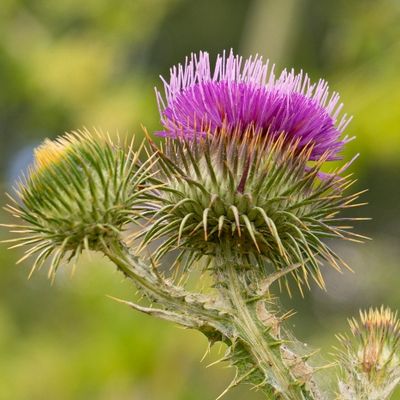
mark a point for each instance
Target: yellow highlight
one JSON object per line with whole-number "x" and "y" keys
{"x": 49, "y": 153}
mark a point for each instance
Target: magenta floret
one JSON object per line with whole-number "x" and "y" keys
{"x": 241, "y": 93}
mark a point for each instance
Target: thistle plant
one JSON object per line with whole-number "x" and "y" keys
{"x": 242, "y": 190}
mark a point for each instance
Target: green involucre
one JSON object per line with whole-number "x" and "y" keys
{"x": 79, "y": 194}
{"x": 261, "y": 198}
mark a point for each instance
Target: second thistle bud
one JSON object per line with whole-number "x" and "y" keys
{"x": 78, "y": 195}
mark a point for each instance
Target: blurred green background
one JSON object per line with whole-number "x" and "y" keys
{"x": 72, "y": 63}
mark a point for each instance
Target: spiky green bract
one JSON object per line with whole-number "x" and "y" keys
{"x": 79, "y": 194}
{"x": 369, "y": 359}
{"x": 261, "y": 197}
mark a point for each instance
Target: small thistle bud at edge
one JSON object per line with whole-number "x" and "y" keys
{"x": 369, "y": 358}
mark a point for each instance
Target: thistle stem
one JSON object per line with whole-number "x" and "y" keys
{"x": 191, "y": 310}
{"x": 266, "y": 351}
{"x": 259, "y": 354}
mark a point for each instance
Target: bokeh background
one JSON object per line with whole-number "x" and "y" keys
{"x": 72, "y": 63}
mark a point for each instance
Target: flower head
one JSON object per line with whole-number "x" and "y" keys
{"x": 78, "y": 195}
{"x": 241, "y": 93}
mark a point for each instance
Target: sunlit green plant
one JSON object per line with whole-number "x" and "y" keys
{"x": 240, "y": 190}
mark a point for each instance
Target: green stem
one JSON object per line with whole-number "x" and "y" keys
{"x": 259, "y": 354}
{"x": 267, "y": 351}
{"x": 191, "y": 310}
{"x": 266, "y": 354}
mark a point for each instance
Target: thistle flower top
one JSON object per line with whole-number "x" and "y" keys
{"x": 239, "y": 94}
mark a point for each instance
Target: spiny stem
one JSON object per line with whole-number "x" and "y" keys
{"x": 255, "y": 349}
{"x": 266, "y": 350}
{"x": 267, "y": 359}
{"x": 196, "y": 311}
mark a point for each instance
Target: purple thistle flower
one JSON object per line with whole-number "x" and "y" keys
{"x": 239, "y": 94}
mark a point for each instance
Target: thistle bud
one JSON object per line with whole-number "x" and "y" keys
{"x": 369, "y": 359}
{"x": 78, "y": 195}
